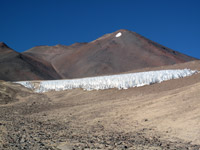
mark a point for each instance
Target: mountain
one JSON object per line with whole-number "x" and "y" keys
{"x": 113, "y": 53}
{"x": 15, "y": 66}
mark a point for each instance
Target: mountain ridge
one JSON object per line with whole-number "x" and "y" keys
{"x": 15, "y": 66}
{"x": 112, "y": 53}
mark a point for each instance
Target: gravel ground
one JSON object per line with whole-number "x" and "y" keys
{"x": 26, "y": 124}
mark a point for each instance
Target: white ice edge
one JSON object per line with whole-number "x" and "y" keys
{"x": 122, "y": 81}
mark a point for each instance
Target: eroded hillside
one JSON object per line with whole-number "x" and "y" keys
{"x": 158, "y": 116}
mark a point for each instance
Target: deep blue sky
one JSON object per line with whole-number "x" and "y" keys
{"x": 28, "y": 23}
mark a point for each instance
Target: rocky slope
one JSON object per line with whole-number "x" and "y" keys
{"x": 112, "y": 53}
{"x": 159, "y": 116}
{"x": 15, "y": 66}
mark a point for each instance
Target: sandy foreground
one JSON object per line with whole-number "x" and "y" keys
{"x": 158, "y": 116}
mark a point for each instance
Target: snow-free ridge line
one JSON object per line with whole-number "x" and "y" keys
{"x": 122, "y": 81}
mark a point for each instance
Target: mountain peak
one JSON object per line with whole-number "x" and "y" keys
{"x": 123, "y": 31}
{"x": 112, "y": 53}
{"x": 126, "y": 35}
{"x": 3, "y": 45}
{"x": 5, "y": 48}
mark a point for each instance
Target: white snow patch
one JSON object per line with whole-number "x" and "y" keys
{"x": 122, "y": 81}
{"x": 118, "y": 34}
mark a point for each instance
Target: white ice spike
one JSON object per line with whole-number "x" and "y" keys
{"x": 122, "y": 81}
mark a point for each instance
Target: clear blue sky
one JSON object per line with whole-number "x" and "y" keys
{"x": 28, "y": 23}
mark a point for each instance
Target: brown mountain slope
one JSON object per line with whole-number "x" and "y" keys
{"x": 163, "y": 116}
{"x": 49, "y": 53}
{"x": 108, "y": 55}
{"x": 15, "y": 66}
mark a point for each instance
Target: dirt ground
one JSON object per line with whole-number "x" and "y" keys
{"x": 154, "y": 117}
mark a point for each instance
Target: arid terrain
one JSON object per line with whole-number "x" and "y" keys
{"x": 154, "y": 117}
{"x": 15, "y": 66}
{"x": 109, "y": 54}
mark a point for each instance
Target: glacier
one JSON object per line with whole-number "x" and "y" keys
{"x": 122, "y": 81}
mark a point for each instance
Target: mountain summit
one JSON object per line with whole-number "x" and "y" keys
{"x": 4, "y": 48}
{"x": 113, "y": 53}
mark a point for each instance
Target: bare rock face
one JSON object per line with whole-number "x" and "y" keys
{"x": 4, "y": 48}
{"x": 112, "y": 53}
{"x": 15, "y": 66}
{"x": 3, "y": 45}
{"x": 117, "y": 52}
